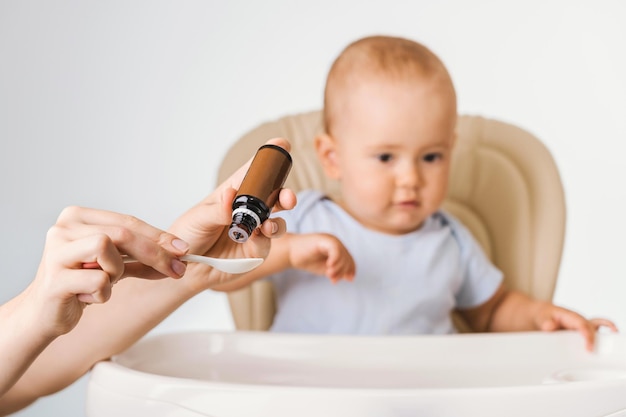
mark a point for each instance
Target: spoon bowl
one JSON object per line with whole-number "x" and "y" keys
{"x": 229, "y": 265}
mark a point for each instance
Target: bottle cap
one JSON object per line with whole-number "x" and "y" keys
{"x": 244, "y": 223}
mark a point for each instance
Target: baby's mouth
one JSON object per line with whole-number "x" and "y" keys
{"x": 409, "y": 203}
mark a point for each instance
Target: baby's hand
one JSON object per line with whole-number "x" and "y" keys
{"x": 322, "y": 254}
{"x": 551, "y": 318}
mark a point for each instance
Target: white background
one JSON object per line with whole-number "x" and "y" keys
{"x": 130, "y": 105}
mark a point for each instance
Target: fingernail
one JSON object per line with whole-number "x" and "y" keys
{"x": 179, "y": 267}
{"x": 274, "y": 228}
{"x": 180, "y": 244}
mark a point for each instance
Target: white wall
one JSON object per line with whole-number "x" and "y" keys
{"x": 130, "y": 105}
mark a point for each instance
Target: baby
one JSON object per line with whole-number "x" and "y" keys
{"x": 390, "y": 116}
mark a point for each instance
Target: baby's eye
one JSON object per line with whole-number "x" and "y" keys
{"x": 384, "y": 157}
{"x": 432, "y": 157}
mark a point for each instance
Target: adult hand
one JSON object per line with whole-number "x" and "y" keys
{"x": 83, "y": 258}
{"x": 205, "y": 228}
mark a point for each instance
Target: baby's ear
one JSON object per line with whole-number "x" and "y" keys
{"x": 325, "y": 147}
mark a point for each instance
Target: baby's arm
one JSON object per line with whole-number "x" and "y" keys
{"x": 514, "y": 311}
{"x": 319, "y": 253}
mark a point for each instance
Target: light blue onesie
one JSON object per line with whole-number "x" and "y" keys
{"x": 405, "y": 284}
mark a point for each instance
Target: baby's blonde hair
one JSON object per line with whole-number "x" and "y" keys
{"x": 394, "y": 58}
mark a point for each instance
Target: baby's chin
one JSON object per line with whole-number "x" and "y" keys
{"x": 393, "y": 220}
{"x": 405, "y": 222}
{"x": 396, "y": 228}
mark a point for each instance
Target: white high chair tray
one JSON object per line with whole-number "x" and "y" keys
{"x": 266, "y": 374}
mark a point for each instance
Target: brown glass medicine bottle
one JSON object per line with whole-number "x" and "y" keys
{"x": 259, "y": 191}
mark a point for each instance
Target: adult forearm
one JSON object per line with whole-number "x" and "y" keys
{"x": 21, "y": 340}
{"x": 136, "y": 306}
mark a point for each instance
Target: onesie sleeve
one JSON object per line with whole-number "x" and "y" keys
{"x": 306, "y": 199}
{"x": 480, "y": 277}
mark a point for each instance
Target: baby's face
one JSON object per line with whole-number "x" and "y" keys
{"x": 393, "y": 148}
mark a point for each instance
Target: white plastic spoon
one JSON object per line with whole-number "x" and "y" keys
{"x": 231, "y": 266}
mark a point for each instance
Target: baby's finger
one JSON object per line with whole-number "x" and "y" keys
{"x": 349, "y": 273}
{"x": 589, "y": 335}
{"x": 338, "y": 269}
{"x": 598, "y": 322}
{"x": 548, "y": 325}
{"x": 574, "y": 321}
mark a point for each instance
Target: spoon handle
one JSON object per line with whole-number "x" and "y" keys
{"x": 187, "y": 258}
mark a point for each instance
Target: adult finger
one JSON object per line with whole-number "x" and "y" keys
{"x": 97, "y": 249}
{"x": 88, "y": 285}
{"x": 70, "y": 216}
{"x": 286, "y": 200}
{"x": 273, "y": 227}
{"x": 140, "y": 247}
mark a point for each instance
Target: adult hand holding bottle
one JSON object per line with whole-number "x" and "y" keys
{"x": 212, "y": 238}
{"x": 136, "y": 306}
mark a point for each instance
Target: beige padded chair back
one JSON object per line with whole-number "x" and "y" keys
{"x": 504, "y": 186}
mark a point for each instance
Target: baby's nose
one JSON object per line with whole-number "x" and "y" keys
{"x": 410, "y": 176}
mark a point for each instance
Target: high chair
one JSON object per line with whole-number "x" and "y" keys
{"x": 506, "y": 189}
{"x": 504, "y": 186}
